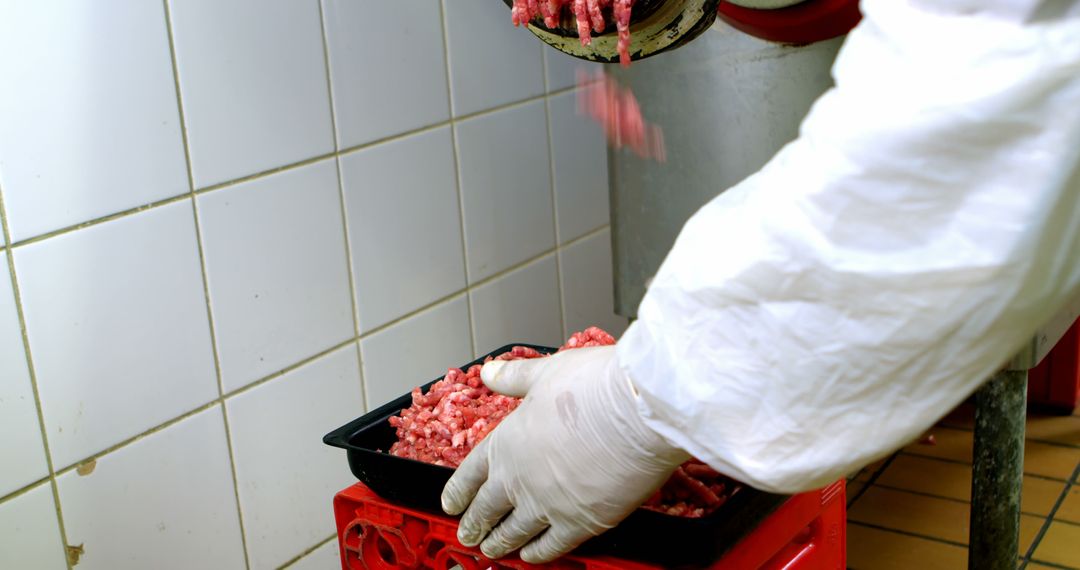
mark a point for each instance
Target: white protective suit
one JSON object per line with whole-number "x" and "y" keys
{"x": 926, "y": 221}
{"x": 829, "y": 308}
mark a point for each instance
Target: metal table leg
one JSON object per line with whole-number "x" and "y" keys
{"x": 997, "y": 474}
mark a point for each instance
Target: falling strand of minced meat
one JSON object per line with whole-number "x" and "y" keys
{"x": 587, "y": 13}
{"x": 443, "y": 425}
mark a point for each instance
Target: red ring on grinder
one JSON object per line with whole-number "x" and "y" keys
{"x": 805, "y": 23}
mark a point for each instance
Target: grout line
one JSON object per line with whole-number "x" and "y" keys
{"x": 25, "y": 489}
{"x": 1053, "y": 513}
{"x": 101, "y": 220}
{"x": 912, "y": 534}
{"x": 457, "y": 177}
{"x": 1050, "y": 442}
{"x": 204, "y": 274}
{"x": 945, "y": 498}
{"x": 297, "y": 558}
{"x": 305, "y": 361}
{"x": 32, "y": 372}
{"x": 554, "y": 204}
{"x": 1050, "y": 564}
{"x": 959, "y": 462}
{"x": 272, "y": 171}
{"x": 873, "y": 479}
{"x": 353, "y": 293}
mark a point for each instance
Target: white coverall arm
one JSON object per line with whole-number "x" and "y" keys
{"x": 926, "y": 221}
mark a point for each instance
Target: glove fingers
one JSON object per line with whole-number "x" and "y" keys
{"x": 466, "y": 480}
{"x": 511, "y": 378}
{"x": 554, "y": 543}
{"x": 487, "y": 509}
{"x": 512, "y": 533}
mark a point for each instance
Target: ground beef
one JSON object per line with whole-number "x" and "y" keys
{"x": 588, "y": 14}
{"x": 616, "y": 110}
{"x": 443, "y": 425}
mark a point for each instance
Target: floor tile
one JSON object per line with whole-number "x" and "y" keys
{"x": 954, "y": 444}
{"x": 1070, "y": 508}
{"x": 325, "y": 557}
{"x": 953, "y": 480}
{"x": 874, "y": 549}
{"x": 962, "y": 417}
{"x": 1058, "y": 429}
{"x": 1050, "y": 460}
{"x": 868, "y": 472}
{"x": 928, "y": 516}
{"x": 1060, "y": 545}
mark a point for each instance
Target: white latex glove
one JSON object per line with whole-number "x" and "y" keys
{"x": 570, "y": 462}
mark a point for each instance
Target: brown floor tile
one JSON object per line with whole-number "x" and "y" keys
{"x": 1050, "y": 460}
{"x": 1061, "y": 545}
{"x": 867, "y": 472}
{"x": 953, "y": 480}
{"x": 950, "y": 443}
{"x": 1059, "y": 429}
{"x": 1037, "y": 566}
{"x": 1070, "y": 508}
{"x": 873, "y": 549}
{"x": 927, "y": 516}
{"x": 853, "y": 489}
{"x": 962, "y": 417}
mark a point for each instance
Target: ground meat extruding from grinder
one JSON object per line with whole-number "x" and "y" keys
{"x": 443, "y": 425}
{"x": 589, "y": 16}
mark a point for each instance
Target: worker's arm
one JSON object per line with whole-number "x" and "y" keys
{"x": 831, "y": 307}
{"x": 925, "y": 222}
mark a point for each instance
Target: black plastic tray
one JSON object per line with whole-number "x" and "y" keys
{"x": 645, "y": 535}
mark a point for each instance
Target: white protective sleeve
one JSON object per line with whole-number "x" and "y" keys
{"x": 828, "y": 309}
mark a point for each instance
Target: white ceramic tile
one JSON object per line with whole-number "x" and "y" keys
{"x": 416, "y": 351}
{"x": 388, "y": 67}
{"x": 505, "y": 188}
{"x": 165, "y": 501}
{"x": 116, "y": 318}
{"x": 404, "y": 225}
{"x": 277, "y": 270}
{"x": 285, "y": 475}
{"x": 521, "y": 306}
{"x": 581, "y": 169}
{"x": 562, "y": 69}
{"x": 325, "y": 557}
{"x": 491, "y": 62}
{"x": 21, "y": 452}
{"x": 588, "y": 287}
{"x": 93, "y": 127}
{"x": 29, "y": 533}
{"x": 253, "y": 80}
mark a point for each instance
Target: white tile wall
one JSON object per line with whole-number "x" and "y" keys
{"x": 325, "y": 557}
{"x": 29, "y": 533}
{"x": 92, "y": 128}
{"x": 117, "y": 311}
{"x": 562, "y": 69}
{"x": 116, "y": 319}
{"x": 505, "y": 188}
{"x": 285, "y": 476}
{"x": 253, "y": 81}
{"x": 587, "y": 286}
{"x": 21, "y": 451}
{"x": 402, "y": 89}
{"x": 416, "y": 350}
{"x": 165, "y": 501}
{"x": 491, "y": 62}
{"x": 521, "y": 306}
{"x": 580, "y": 165}
{"x": 276, "y": 270}
{"x": 404, "y": 225}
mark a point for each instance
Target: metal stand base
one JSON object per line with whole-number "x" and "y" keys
{"x": 997, "y": 474}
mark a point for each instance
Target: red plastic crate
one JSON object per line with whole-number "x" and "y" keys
{"x": 807, "y": 532}
{"x": 1055, "y": 382}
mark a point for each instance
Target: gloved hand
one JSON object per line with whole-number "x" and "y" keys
{"x": 570, "y": 462}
